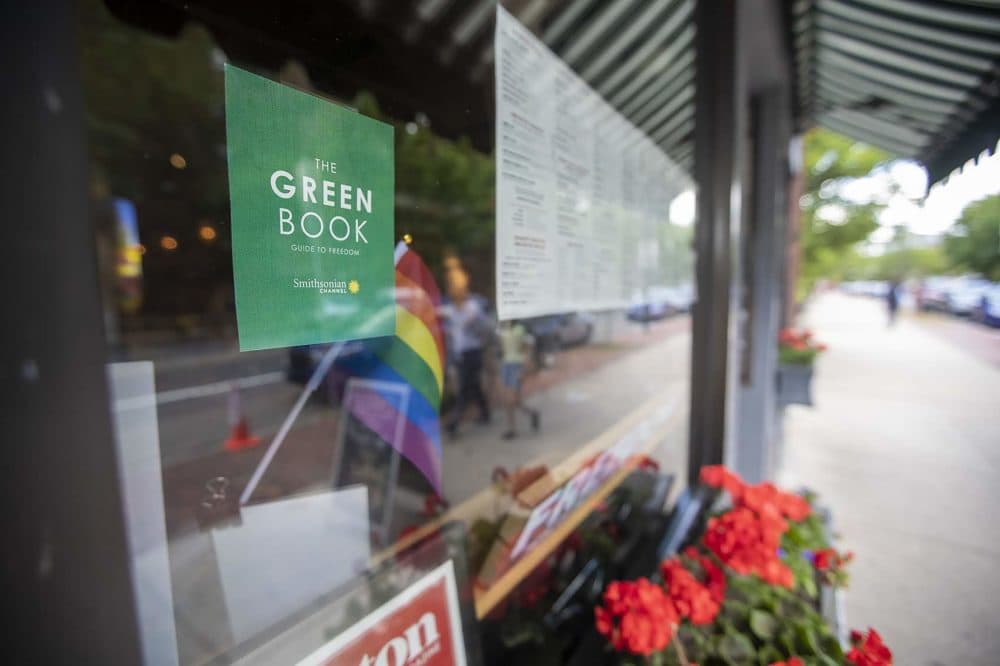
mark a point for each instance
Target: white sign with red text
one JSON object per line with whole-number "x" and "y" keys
{"x": 421, "y": 626}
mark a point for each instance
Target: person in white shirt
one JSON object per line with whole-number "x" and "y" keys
{"x": 468, "y": 328}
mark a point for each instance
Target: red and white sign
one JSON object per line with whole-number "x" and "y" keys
{"x": 553, "y": 509}
{"x": 421, "y": 626}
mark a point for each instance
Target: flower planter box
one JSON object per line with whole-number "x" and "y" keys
{"x": 831, "y": 600}
{"x": 795, "y": 384}
{"x": 759, "y": 586}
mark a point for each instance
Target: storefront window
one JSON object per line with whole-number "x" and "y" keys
{"x": 289, "y": 475}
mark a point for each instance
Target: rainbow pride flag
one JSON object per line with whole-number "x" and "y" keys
{"x": 412, "y": 361}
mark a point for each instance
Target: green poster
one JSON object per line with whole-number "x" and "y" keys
{"x": 312, "y": 190}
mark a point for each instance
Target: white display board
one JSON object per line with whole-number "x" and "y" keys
{"x": 580, "y": 191}
{"x": 137, "y": 443}
{"x": 287, "y": 553}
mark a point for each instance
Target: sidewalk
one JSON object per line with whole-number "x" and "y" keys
{"x": 904, "y": 446}
{"x": 592, "y": 390}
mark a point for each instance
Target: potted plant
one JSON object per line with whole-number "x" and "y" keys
{"x": 744, "y": 593}
{"x": 797, "y": 351}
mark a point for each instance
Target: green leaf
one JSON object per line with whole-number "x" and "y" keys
{"x": 768, "y": 655}
{"x": 805, "y": 640}
{"x": 763, "y": 624}
{"x": 735, "y": 611}
{"x": 786, "y": 639}
{"x": 831, "y": 647}
{"x": 736, "y": 649}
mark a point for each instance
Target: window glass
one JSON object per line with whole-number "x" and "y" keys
{"x": 287, "y": 472}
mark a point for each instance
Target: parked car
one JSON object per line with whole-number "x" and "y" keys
{"x": 871, "y": 288}
{"x": 965, "y": 295}
{"x": 303, "y": 361}
{"x": 660, "y": 302}
{"x": 932, "y": 294}
{"x": 555, "y": 332}
{"x": 988, "y": 310}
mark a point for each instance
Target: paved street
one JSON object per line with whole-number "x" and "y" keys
{"x": 904, "y": 445}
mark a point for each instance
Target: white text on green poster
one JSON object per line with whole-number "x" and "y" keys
{"x": 312, "y": 193}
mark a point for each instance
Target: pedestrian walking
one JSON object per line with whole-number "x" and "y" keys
{"x": 516, "y": 346}
{"x": 892, "y": 300}
{"x": 468, "y": 332}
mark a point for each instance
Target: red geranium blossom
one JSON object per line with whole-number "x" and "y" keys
{"x": 747, "y": 542}
{"x": 691, "y": 599}
{"x": 434, "y": 504}
{"x": 766, "y": 497}
{"x": 637, "y": 617}
{"x": 868, "y": 650}
{"x": 823, "y": 559}
{"x": 648, "y": 463}
{"x": 787, "y": 336}
{"x": 761, "y": 498}
{"x": 791, "y": 661}
{"x": 715, "y": 577}
{"x": 828, "y": 559}
{"x": 717, "y": 476}
{"x": 799, "y": 340}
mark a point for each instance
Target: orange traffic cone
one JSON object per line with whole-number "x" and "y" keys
{"x": 239, "y": 432}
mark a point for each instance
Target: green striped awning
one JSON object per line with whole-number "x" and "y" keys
{"x": 918, "y": 78}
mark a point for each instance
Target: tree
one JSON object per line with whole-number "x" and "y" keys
{"x": 832, "y": 224}
{"x": 973, "y": 243}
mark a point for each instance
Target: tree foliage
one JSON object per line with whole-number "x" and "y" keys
{"x": 973, "y": 244}
{"x": 831, "y": 224}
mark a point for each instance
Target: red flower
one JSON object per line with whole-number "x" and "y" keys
{"x": 648, "y": 463}
{"x": 829, "y": 559}
{"x": 766, "y": 498}
{"x": 868, "y": 650}
{"x": 747, "y": 542}
{"x": 637, "y": 617}
{"x": 792, "y": 506}
{"x": 713, "y": 475}
{"x": 434, "y": 504}
{"x": 792, "y": 661}
{"x": 799, "y": 340}
{"x": 786, "y": 336}
{"x": 715, "y": 577}
{"x": 776, "y": 572}
{"x": 717, "y": 476}
{"x": 690, "y": 598}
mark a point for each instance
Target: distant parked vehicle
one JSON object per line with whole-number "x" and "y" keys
{"x": 870, "y": 288}
{"x": 988, "y": 311}
{"x": 555, "y": 332}
{"x": 660, "y": 302}
{"x": 965, "y": 295}
{"x": 303, "y": 361}
{"x": 932, "y": 295}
